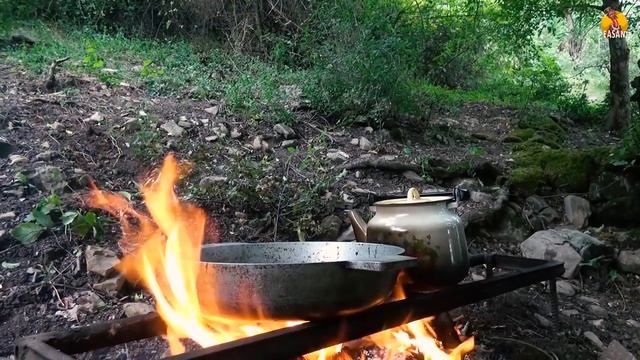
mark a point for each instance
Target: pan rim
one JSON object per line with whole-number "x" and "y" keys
{"x": 296, "y": 243}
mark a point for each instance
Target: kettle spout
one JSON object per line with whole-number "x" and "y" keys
{"x": 359, "y": 225}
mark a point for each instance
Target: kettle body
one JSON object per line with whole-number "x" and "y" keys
{"x": 428, "y": 230}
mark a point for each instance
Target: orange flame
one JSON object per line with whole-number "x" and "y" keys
{"x": 162, "y": 250}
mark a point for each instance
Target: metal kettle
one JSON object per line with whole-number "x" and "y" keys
{"x": 426, "y": 228}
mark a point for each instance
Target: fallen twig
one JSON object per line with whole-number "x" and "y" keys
{"x": 50, "y": 82}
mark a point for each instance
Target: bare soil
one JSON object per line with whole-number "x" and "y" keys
{"x": 51, "y": 273}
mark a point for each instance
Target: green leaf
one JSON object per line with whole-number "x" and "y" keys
{"x": 41, "y": 218}
{"x": 50, "y": 203}
{"x": 68, "y": 217}
{"x": 27, "y": 233}
{"x": 8, "y": 265}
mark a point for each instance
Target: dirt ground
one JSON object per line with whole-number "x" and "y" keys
{"x": 51, "y": 272}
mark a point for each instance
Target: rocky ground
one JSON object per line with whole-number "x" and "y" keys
{"x": 57, "y": 271}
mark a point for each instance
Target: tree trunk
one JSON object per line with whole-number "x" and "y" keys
{"x": 572, "y": 43}
{"x": 618, "y": 117}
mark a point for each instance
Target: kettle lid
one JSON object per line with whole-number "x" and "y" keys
{"x": 414, "y": 198}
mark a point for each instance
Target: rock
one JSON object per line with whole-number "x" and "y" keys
{"x": 287, "y": 143}
{"x": 577, "y": 210}
{"x": 259, "y": 143}
{"x": 235, "y": 133}
{"x": 570, "y": 312}
{"x": 108, "y": 71}
{"x": 594, "y": 339}
{"x": 184, "y": 122}
{"x": 469, "y": 184}
{"x": 633, "y": 323}
{"x": 588, "y": 300}
{"x": 101, "y": 261}
{"x": 481, "y": 197}
{"x": 565, "y": 288}
{"x": 368, "y": 129}
{"x": 172, "y": 128}
{"x": 96, "y": 116}
{"x": 598, "y": 310}
{"x": 566, "y": 245}
{"x": 347, "y": 235}
{"x": 539, "y": 213}
{"x": 45, "y": 156}
{"x": 213, "y": 110}
{"x": 550, "y": 245}
{"x": 49, "y": 178}
{"x": 137, "y": 308}
{"x": 8, "y": 215}
{"x": 337, "y": 155}
{"x": 411, "y": 175}
{"x": 56, "y": 126}
{"x": 213, "y": 180}
{"x": 284, "y": 130}
{"x": 88, "y": 301}
{"x": 355, "y": 141}
{"x": 111, "y": 285}
{"x": 130, "y": 124}
{"x": 358, "y": 174}
{"x": 211, "y": 138}
{"x": 599, "y": 323}
{"x": 615, "y": 200}
{"x": 16, "y": 159}
{"x": 615, "y": 351}
{"x": 629, "y": 261}
{"x": 221, "y": 130}
{"x": 330, "y": 227}
{"x": 365, "y": 144}
{"x": 543, "y": 321}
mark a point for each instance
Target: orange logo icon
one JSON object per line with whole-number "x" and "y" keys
{"x": 613, "y": 24}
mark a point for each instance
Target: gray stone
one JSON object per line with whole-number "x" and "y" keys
{"x": 184, "y": 122}
{"x": 599, "y": 323}
{"x": 8, "y": 215}
{"x": 16, "y": 159}
{"x": 615, "y": 351}
{"x": 287, "y": 143}
{"x": 213, "y": 180}
{"x": 45, "y": 155}
{"x": 137, "y": 308}
{"x": 550, "y": 245}
{"x": 101, "y": 261}
{"x": 481, "y": 197}
{"x": 633, "y": 323}
{"x": 96, "y": 116}
{"x": 235, "y": 133}
{"x": 629, "y": 261}
{"x": 88, "y": 301}
{"x": 172, "y": 128}
{"x": 565, "y": 288}
{"x": 469, "y": 184}
{"x": 543, "y": 321}
{"x": 49, "y": 178}
{"x": 368, "y": 129}
{"x": 337, "y": 155}
{"x": 598, "y": 310}
{"x": 213, "y": 110}
{"x": 211, "y": 138}
{"x": 221, "y": 130}
{"x": 355, "y": 141}
{"x": 536, "y": 203}
{"x": 577, "y": 210}
{"x": 411, "y": 175}
{"x": 365, "y": 144}
{"x": 259, "y": 143}
{"x": 111, "y": 285}
{"x": 570, "y": 312}
{"x": 330, "y": 227}
{"x": 615, "y": 200}
{"x": 284, "y": 130}
{"x": 594, "y": 339}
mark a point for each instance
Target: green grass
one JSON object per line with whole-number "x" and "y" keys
{"x": 250, "y": 87}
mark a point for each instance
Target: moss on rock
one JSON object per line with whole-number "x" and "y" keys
{"x": 566, "y": 169}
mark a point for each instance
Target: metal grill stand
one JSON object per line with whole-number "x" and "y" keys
{"x": 298, "y": 340}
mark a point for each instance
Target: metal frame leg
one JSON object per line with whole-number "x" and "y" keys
{"x": 553, "y": 295}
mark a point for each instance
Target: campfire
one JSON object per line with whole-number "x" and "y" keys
{"x": 162, "y": 249}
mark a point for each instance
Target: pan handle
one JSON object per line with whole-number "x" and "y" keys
{"x": 387, "y": 263}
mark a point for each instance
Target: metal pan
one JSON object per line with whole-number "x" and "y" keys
{"x": 298, "y": 280}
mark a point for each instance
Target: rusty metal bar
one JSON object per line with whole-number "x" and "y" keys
{"x": 304, "y": 338}
{"x": 308, "y": 337}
